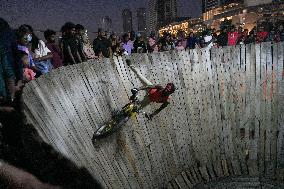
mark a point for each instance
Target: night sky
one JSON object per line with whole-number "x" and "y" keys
{"x": 43, "y": 14}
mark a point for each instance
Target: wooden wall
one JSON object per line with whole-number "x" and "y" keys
{"x": 226, "y": 118}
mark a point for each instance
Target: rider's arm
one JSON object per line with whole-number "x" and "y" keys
{"x": 163, "y": 106}
{"x": 151, "y": 87}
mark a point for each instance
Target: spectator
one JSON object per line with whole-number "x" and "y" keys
{"x": 114, "y": 42}
{"x": 152, "y": 43}
{"x": 182, "y": 37}
{"x": 42, "y": 56}
{"x": 60, "y": 40}
{"x": 87, "y": 47}
{"x": 57, "y": 55}
{"x": 214, "y": 34}
{"x": 191, "y": 41}
{"x": 226, "y": 24}
{"x": 202, "y": 42}
{"x": 132, "y": 37}
{"x": 102, "y": 44}
{"x": 28, "y": 74}
{"x": 251, "y": 37}
{"x": 240, "y": 34}
{"x": 127, "y": 44}
{"x": 116, "y": 50}
{"x": 261, "y": 35}
{"x": 99, "y": 54}
{"x": 139, "y": 45}
{"x": 167, "y": 43}
{"x": 24, "y": 37}
{"x": 173, "y": 39}
{"x": 243, "y": 37}
{"x": 7, "y": 80}
{"x": 273, "y": 35}
{"x": 119, "y": 50}
{"x": 208, "y": 38}
{"x": 179, "y": 45}
{"x": 233, "y": 36}
{"x": 10, "y": 74}
{"x": 70, "y": 45}
{"x": 8, "y": 38}
{"x": 8, "y": 70}
{"x": 281, "y": 32}
{"x": 80, "y": 31}
{"x": 222, "y": 38}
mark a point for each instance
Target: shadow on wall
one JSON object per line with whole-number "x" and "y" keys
{"x": 21, "y": 146}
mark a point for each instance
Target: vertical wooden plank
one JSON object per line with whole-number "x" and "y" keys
{"x": 280, "y": 110}
{"x": 270, "y": 168}
{"x": 262, "y": 129}
{"x": 251, "y": 64}
{"x": 274, "y": 107}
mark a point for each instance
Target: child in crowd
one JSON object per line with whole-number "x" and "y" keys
{"x": 99, "y": 54}
{"x": 179, "y": 45}
{"x": 28, "y": 74}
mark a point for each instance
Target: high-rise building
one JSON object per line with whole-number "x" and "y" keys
{"x": 211, "y": 4}
{"x": 106, "y": 24}
{"x": 166, "y": 12}
{"x": 152, "y": 15}
{"x": 127, "y": 20}
{"x": 257, "y": 2}
{"x": 141, "y": 20}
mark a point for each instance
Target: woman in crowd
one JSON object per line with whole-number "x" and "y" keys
{"x": 87, "y": 47}
{"x": 24, "y": 37}
{"x": 42, "y": 56}
{"x": 152, "y": 45}
{"x": 114, "y": 42}
{"x": 127, "y": 44}
{"x": 179, "y": 45}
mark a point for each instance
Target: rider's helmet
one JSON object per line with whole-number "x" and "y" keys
{"x": 169, "y": 89}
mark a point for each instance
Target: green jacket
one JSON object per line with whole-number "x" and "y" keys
{"x": 6, "y": 71}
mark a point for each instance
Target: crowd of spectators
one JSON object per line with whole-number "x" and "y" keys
{"x": 26, "y": 161}
{"x": 24, "y": 56}
{"x": 228, "y": 35}
{"x": 34, "y": 56}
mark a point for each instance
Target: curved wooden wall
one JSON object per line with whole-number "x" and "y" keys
{"x": 226, "y": 118}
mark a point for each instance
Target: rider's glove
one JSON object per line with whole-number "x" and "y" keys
{"x": 134, "y": 91}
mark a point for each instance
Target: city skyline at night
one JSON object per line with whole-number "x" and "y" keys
{"x": 53, "y": 13}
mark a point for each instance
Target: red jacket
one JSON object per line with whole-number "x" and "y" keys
{"x": 157, "y": 96}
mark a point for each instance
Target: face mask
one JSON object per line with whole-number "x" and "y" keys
{"x": 29, "y": 38}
